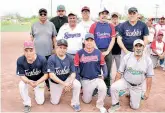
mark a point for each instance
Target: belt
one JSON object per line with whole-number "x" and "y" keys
{"x": 154, "y": 55}
{"x": 134, "y": 84}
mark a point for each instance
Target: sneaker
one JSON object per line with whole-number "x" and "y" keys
{"x": 162, "y": 65}
{"x": 114, "y": 108}
{"x": 109, "y": 92}
{"x": 121, "y": 93}
{"x": 95, "y": 92}
{"x": 76, "y": 108}
{"x": 27, "y": 109}
{"x": 103, "y": 110}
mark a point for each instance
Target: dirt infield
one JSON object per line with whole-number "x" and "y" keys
{"x": 11, "y": 101}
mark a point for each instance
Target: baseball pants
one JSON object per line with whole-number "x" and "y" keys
{"x": 155, "y": 59}
{"x": 38, "y": 91}
{"x": 56, "y": 91}
{"x": 117, "y": 60}
{"x": 88, "y": 88}
{"x": 135, "y": 92}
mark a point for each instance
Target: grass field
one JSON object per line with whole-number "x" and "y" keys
{"x": 15, "y": 28}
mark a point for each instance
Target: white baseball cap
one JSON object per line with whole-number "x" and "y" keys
{"x": 138, "y": 41}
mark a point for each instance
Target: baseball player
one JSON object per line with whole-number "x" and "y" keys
{"x": 32, "y": 69}
{"x": 130, "y": 31}
{"x": 89, "y": 62}
{"x": 134, "y": 72}
{"x": 73, "y": 33}
{"x": 62, "y": 73}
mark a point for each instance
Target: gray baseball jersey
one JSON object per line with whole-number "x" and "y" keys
{"x": 43, "y": 34}
{"x": 135, "y": 71}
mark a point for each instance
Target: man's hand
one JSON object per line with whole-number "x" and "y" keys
{"x": 146, "y": 95}
{"x": 161, "y": 56}
{"x": 105, "y": 53}
{"x": 32, "y": 83}
{"x": 67, "y": 87}
{"x": 126, "y": 51}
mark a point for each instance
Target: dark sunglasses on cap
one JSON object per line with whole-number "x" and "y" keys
{"x": 43, "y": 14}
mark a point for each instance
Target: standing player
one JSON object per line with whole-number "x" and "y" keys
{"x": 73, "y": 33}
{"x": 134, "y": 70}
{"x": 130, "y": 31}
{"x": 104, "y": 36}
{"x": 61, "y": 17}
{"x": 89, "y": 62}
{"x": 62, "y": 73}
{"x": 32, "y": 69}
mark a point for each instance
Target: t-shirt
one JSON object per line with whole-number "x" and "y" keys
{"x": 74, "y": 37}
{"x": 158, "y": 46}
{"x": 86, "y": 25}
{"x": 43, "y": 35}
{"x": 159, "y": 27}
{"x": 151, "y": 34}
{"x": 61, "y": 68}
{"x": 103, "y": 32}
{"x": 59, "y": 21}
{"x": 32, "y": 71}
{"x": 116, "y": 50}
{"x": 130, "y": 33}
{"x": 89, "y": 63}
{"x": 135, "y": 71}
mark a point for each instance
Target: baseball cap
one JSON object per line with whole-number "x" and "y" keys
{"x": 162, "y": 17}
{"x": 42, "y": 10}
{"x": 103, "y": 10}
{"x": 115, "y": 14}
{"x": 89, "y": 35}
{"x": 138, "y": 41}
{"x": 85, "y": 8}
{"x": 132, "y": 9}
{"x": 62, "y": 42}
{"x": 160, "y": 33}
{"x": 72, "y": 13}
{"x": 28, "y": 44}
{"x": 60, "y": 7}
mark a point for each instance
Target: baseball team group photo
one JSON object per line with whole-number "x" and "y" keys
{"x": 78, "y": 59}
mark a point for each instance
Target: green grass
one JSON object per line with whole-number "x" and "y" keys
{"x": 15, "y": 28}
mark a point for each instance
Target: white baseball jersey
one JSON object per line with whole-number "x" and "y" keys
{"x": 160, "y": 27}
{"x": 151, "y": 34}
{"x": 74, "y": 37}
{"x": 86, "y": 25}
{"x": 135, "y": 71}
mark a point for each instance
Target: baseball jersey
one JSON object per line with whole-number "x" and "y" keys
{"x": 32, "y": 71}
{"x": 130, "y": 33}
{"x": 160, "y": 27}
{"x": 86, "y": 25}
{"x": 43, "y": 34}
{"x": 61, "y": 68}
{"x": 151, "y": 34}
{"x": 116, "y": 50}
{"x": 74, "y": 37}
{"x": 89, "y": 63}
{"x": 103, "y": 32}
{"x": 135, "y": 71}
{"x": 158, "y": 46}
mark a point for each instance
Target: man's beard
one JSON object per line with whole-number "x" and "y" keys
{"x": 138, "y": 52}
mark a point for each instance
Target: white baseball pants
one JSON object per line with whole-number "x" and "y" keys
{"x": 38, "y": 91}
{"x": 88, "y": 88}
{"x": 57, "y": 89}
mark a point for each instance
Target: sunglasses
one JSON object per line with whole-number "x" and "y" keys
{"x": 138, "y": 45}
{"x": 60, "y": 10}
{"x": 43, "y": 14}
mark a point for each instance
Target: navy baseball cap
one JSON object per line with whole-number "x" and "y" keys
{"x": 132, "y": 9}
{"x": 103, "y": 10}
{"x": 62, "y": 42}
{"x": 89, "y": 35}
{"x": 42, "y": 10}
{"x": 72, "y": 14}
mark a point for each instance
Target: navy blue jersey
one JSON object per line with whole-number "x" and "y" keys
{"x": 32, "y": 71}
{"x": 61, "y": 68}
{"x": 89, "y": 63}
{"x": 130, "y": 33}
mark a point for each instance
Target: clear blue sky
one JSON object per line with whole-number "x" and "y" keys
{"x": 30, "y": 7}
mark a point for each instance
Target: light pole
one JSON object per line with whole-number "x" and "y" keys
{"x": 156, "y": 12}
{"x": 51, "y": 7}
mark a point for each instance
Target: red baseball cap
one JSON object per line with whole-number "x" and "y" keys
{"x": 85, "y": 8}
{"x": 28, "y": 44}
{"x": 160, "y": 33}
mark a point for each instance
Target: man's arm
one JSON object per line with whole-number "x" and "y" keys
{"x": 42, "y": 79}
{"x": 56, "y": 79}
{"x": 118, "y": 76}
{"x": 27, "y": 81}
{"x": 120, "y": 43}
{"x": 72, "y": 77}
{"x": 148, "y": 85}
{"x": 146, "y": 41}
